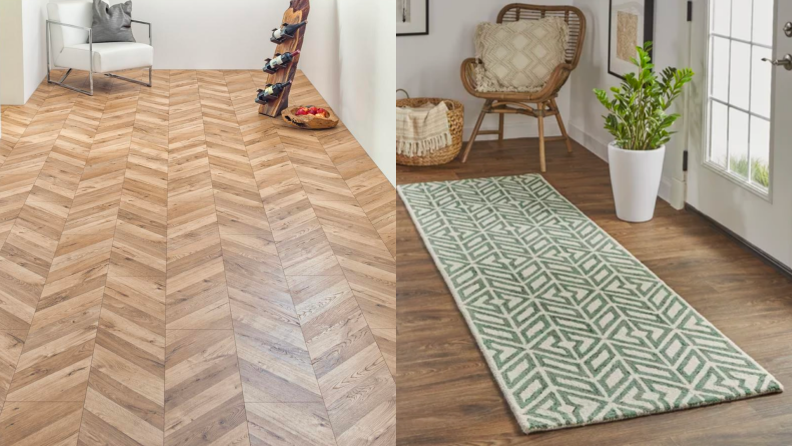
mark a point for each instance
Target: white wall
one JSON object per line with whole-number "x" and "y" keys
{"x": 190, "y": 34}
{"x": 11, "y": 55}
{"x": 34, "y": 15}
{"x": 352, "y": 43}
{"x": 671, "y": 49}
{"x": 22, "y": 49}
{"x": 321, "y": 61}
{"x": 430, "y": 65}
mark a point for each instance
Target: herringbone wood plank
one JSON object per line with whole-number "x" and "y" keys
{"x": 386, "y": 340}
{"x": 17, "y": 118}
{"x": 358, "y": 389}
{"x": 302, "y": 244}
{"x": 197, "y": 294}
{"x": 55, "y": 362}
{"x": 140, "y": 240}
{"x": 40, "y": 423}
{"x": 295, "y": 175}
{"x": 125, "y": 399}
{"x": 37, "y": 183}
{"x": 203, "y": 391}
{"x": 154, "y": 244}
{"x": 11, "y": 343}
{"x": 289, "y": 424}
{"x": 368, "y": 265}
{"x": 124, "y": 403}
{"x": 273, "y": 359}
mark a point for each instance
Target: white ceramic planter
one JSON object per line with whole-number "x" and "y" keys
{"x": 635, "y": 177}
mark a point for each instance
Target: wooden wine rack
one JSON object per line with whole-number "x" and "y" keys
{"x": 297, "y": 12}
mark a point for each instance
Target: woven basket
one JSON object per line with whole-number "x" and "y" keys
{"x": 456, "y": 123}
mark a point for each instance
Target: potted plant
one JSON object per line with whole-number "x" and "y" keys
{"x": 640, "y": 124}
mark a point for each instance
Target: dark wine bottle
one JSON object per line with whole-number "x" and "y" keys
{"x": 279, "y": 61}
{"x": 270, "y": 92}
{"x": 285, "y": 32}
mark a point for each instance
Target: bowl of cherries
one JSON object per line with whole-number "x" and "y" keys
{"x": 311, "y": 117}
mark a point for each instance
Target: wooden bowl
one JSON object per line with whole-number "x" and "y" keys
{"x": 310, "y": 121}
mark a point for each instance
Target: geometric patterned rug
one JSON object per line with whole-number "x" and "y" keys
{"x": 575, "y": 329}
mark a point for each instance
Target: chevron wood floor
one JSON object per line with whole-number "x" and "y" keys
{"x": 177, "y": 269}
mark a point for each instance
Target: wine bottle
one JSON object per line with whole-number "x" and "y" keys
{"x": 285, "y": 32}
{"x": 270, "y": 92}
{"x": 279, "y": 61}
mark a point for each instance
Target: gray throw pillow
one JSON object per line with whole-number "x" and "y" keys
{"x": 112, "y": 23}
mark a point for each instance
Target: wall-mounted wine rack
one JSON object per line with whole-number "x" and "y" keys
{"x": 297, "y": 13}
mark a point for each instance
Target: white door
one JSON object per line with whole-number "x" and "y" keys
{"x": 740, "y": 144}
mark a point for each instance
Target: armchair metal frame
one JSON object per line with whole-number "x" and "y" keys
{"x": 541, "y": 104}
{"x": 60, "y": 83}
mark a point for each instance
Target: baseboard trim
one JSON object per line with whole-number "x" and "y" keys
{"x": 765, "y": 257}
{"x": 589, "y": 142}
{"x": 665, "y": 189}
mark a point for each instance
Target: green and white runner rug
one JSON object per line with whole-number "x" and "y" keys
{"x": 574, "y": 328}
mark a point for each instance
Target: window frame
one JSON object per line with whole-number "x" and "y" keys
{"x": 707, "y": 162}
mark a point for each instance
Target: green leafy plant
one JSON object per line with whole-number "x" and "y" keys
{"x": 760, "y": 172}
{"x": 638, "y": 116}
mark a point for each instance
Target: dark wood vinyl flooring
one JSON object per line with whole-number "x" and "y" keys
{"x": 445, "y": 392}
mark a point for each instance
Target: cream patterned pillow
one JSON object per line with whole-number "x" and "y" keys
{"x": 519, "y": 56}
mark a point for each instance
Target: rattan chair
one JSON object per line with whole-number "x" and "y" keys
{"x": 545, "y": 100}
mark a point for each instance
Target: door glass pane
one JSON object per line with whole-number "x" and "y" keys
{"x": 740, "y": 89}
{"x": 760, "y": 152}
{"x": 719, "y": 139}
{"x": 761, "y": 81}
{"x": 740, "y": 78}
{"x": 762, "y": 16}
{"x": 742, "y": 19}
{"x": 721, "y": 17}
{"x": 720, "y": 68}
{"x": 738, "y": 142}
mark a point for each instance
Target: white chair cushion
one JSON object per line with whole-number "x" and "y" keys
{"x": 110, "y": 56}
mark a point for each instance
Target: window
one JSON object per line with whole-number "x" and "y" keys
{"x": 739, "y": 97}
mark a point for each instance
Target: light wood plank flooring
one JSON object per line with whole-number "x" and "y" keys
{"x": 446, "y": 393}
{"x": 177, "y": 269}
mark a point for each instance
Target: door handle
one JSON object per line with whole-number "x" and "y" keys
{"x": 786, "y": 62}
{"x": 788, "y": 29}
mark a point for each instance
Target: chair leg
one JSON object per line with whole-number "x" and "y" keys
{"x": 134, "y": 81}
{"x": 475, "y": 131}
{"x": 542, "y": 160}
{"x": 502, "y": 118}
{"x": 61, "y": 83}
{"x": 562, "y": 127}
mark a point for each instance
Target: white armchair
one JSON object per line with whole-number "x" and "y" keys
{"x": 70, "y": 46}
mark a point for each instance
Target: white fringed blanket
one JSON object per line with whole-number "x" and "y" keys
{"x": 422, "y": 130}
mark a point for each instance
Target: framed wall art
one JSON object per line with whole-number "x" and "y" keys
{"x": 412, "y": 17}
{"x": 631, "y": 25}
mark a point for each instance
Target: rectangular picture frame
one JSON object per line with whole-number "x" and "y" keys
{"x": 625, "y": 18}
{"x": 412, "y": 17}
